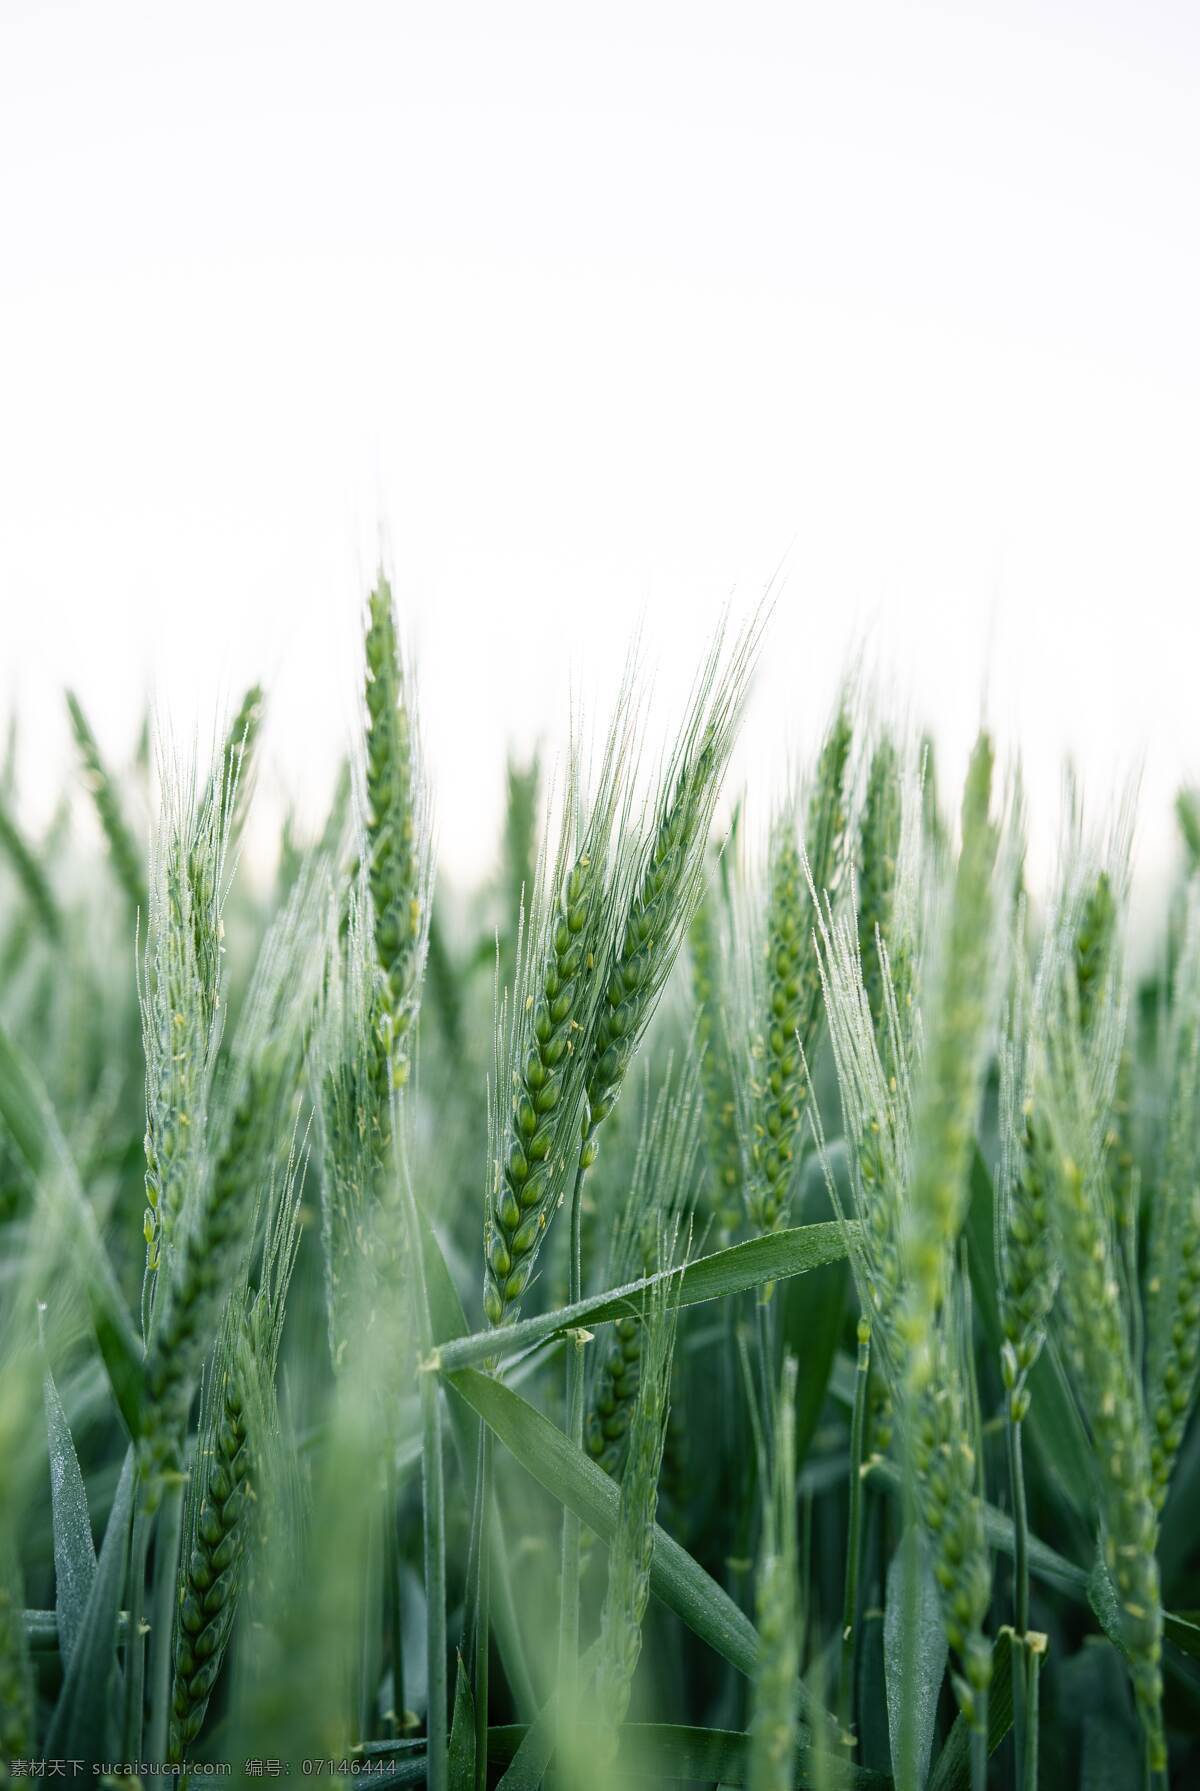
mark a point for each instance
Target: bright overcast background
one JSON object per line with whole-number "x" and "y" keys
{"x": 598, "y": 314}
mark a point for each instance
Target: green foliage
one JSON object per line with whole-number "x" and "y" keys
{"x": 274, "y": 1463}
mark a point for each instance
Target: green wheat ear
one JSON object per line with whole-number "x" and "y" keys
{"x": 127, "y": 858}
{"x": 628, "y": 1591}
{"x": 396, "y": 834}
{"x": 951, "y": 1081}
{"x": 722, "y": 1134}
{"x": 1173, "y": 1285}
{"x": 793, "y": 1013}
{"x": 1094, "y": 1324}
{"x": 878, "y": 861}
{"x": 541, "y": 1064}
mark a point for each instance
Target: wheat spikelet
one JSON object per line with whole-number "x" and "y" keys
{"x": 1173, "y": 1286}
{"x": 878, "y": 856}
{"x": 952, "y": 1072}
{"x": 722, "y": 1133}
{"x": 793, "y": 982}
{"x": 396, "y": 831}
{"x": 628, "y": 1590}
{"x": 1098, "y": 1346}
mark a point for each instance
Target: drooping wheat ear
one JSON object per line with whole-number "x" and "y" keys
{"x": 876, "y": 1067}
{"x": 1173, "y": 1286}
{"x": 1028, "y": 1256}
{"x": 632, "y": 1549}
{"x": 793, "y": 981}
{"x": 722, "y": 1133}
{"x": 951, "y": 1082}
{"x": 396, "y": 845}
{"x": 615, "y": 1396}
{"x": 936, "y": 1415}
{"x": 16, "y": 1679}
{"x": 669, "y": 882}
{"x": 878, "y": 857}
{"x": 1028, "y": 1259}
{"x": 942, "y": 1436}
{"x": 1094, "y": 1326}
{"x": 360, "y": 1209}
{"x": 234, "y": 1444}
{"x": 127, "y": 857}
{"x": 774, "y": 1726}
{"x": 234, "y": 1175}
{"x": 204, "y": 1261}
{"x": 657, "y": 1208}
{"x": 212, "y": 1564}
{"x": 30, "y": 874}
{"x": 542, "y": 1060}
{"x": 180, "y": 998}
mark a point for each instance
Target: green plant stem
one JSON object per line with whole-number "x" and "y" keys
{"x": 370, "y": 1617}
{"x": 1021, "y": 1680}
{"x": 483, "y": 1608}
{"x": 1033, "y": 1669}
{"x": 979, "y": 1746}
{"x": 568, "y": 1631}
{"x": 135, "y": 1643}
{"x": 845, "y": 1707}
{"x": 393, "y": 1567}
{"x": 166, "y": 1576}
{"x": 764, "y": 1316}
{"x": 433, "y": 1508}
{"x": 1016, "y": 1469}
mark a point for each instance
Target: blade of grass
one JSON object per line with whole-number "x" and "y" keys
{"x": 79, "y": 1727}
{"x": 776, "y": 1256}
{"x": 74, "y": 1551}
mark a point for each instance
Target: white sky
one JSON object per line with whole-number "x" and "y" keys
{"x": 595, "y": 313}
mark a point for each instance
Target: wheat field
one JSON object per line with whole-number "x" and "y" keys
{"x": 716, "y": 1304}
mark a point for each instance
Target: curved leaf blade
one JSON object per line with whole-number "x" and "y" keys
{"x": 79, "y": 1727}
{"x": 71, "y": 1524}
{"x": 775, "y": 1256}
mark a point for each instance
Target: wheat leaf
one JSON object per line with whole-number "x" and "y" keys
{"x": 775, "y": 1256}
{"x": 79, "y": 1727}
{"x": 74, "y": 1550}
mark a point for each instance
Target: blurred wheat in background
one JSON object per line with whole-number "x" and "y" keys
{"x": 716, "y": 1304}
